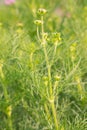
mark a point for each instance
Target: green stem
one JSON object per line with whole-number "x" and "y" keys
{"x": 49, "y": 77}
{"x": 42, "y": 28}
{"x": 54, "y": 53}
{"x": 31, "y": 61}
{"x": 48, "y": 69}
{"x": 10, "y": 123}
{"x": 50, "y": 86}
{"x": 38, "y": 36}
{"x": 54, "y": 115}
{"x": 46, "y": 57}
{"x": 47, "y": 113}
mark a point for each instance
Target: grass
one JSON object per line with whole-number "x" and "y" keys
{"x": 43, "y": 68}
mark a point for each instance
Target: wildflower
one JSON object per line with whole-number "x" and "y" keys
{"x": 56, "y": 36}
{"x": 9, "y": 2}
{"x": 42, "y": 11}
{"x": 38, "y": 22}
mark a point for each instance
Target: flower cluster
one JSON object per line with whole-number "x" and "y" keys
{"x": 41, "y": 12}
{"x": 53, "y": 38}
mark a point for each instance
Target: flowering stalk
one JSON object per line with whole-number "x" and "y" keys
{"x": 48, "y": 65}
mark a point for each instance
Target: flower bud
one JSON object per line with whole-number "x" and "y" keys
{"x": 45, "y": 35}
{"x": 38, "y": 22}
{"x": 56, "y": 37}
{"x": 42, "y": 11}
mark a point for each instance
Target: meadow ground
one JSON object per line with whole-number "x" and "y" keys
{"x": 43, "y": 65}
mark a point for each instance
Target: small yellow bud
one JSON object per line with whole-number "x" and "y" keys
{"x": 45, "y": 35}
{"x": 56, "y": 37}
{"x": 42, "y": 11}
{"x": 38, "y": 22}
